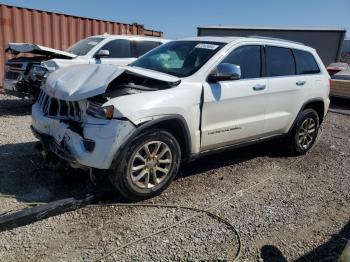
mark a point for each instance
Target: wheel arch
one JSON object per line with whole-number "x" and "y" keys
{"x": 174, "y": 124}
{"x": 317, "y": 104}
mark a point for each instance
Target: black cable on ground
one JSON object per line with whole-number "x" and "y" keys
{"x": 58, "y": 207}
{"x": 44, "y": 210}
{"x": 199, "y": 213}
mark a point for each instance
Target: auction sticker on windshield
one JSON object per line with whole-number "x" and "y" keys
{"x": 206, "y": 46}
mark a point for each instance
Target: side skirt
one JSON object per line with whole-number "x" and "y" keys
{"x": 234, "y": 146}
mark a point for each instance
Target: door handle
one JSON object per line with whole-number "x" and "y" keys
{"x": 300, "y": 83}
{"x": 259, "y": 87}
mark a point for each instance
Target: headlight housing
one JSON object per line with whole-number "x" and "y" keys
{"x": 104, "y": 112}
{"x": 38, "y": 73}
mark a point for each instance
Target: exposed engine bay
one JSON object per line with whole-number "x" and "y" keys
{"x": 128, "y": 83}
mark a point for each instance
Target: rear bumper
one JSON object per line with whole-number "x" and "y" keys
{"x": 340, "y": 88}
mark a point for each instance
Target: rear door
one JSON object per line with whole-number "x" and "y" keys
{"x": 120, "y": 53}
{"x": 234, "y": 111}
{"x": 307, "y": 66}
{"x": 285, "y": 89}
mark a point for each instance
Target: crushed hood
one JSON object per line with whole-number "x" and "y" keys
{"x": 79, "y": 82}
{"x": 152, "y": 74}
{"x": 16, "y": 48}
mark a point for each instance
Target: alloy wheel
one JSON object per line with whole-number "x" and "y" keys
{"x": 150, "y": 164}
{"x": 306, "y": 133}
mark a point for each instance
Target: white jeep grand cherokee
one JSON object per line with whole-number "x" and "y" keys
{"x": 178, "y": 102}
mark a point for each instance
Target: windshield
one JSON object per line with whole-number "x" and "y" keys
{"x": 84, "y": 46}
{"x": 179, "y": 58}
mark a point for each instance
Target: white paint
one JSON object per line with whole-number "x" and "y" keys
{"x": 34, "y": 48}
{"x": 232, "y": 111}
{"x": 112, "y": 133}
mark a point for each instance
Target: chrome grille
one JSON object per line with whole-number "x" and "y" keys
{"x": 57, "y": 108}
{"x": 13, "y": 70}
{"x": 13, "y": 65}
{"x": 11, "y": 75}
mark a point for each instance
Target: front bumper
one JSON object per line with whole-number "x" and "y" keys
{"x": 106, "y": 136}
{"x": 52, "y": 146}
{"x": 9, "y": 85}
{"x": 15, "y": 88}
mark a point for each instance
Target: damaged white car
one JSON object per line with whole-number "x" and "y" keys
{"x": 182, "y": 100}
{"x": 24, "y": 75}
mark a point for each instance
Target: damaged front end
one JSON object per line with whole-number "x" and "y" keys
{"x": 75, "y": 118}
{"x": 24, "y": 75}
{"x": 65, "y": 129}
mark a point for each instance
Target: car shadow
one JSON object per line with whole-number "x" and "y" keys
{"x": 15, "y": 107}
{"x": 339, "y": 103}
{"x": 273, "y": 149}
{"x": 25, "y": 176}
{"x": 328, "y": 251}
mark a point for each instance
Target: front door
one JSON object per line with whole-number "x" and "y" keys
{"x": 234, "y": 111}
{"x": 119, "y": 53}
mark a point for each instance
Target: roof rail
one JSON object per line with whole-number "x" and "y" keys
{"x": 274, "y": 38}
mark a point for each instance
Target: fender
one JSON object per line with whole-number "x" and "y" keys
{"x": 154, "y": 123}
{"x": 317, "y": 99}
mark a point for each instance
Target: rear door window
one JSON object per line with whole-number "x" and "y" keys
{"x": 248, "y": 58}
{"x": 279, "y": 61}
{"x": 306, "y": 63}
{"x": 142, "y": 47}
{"x": 119, "y": 48}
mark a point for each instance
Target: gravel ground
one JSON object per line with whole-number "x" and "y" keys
{"x": 298, "y": 209}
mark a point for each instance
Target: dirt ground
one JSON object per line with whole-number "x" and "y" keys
{"x": 298, "y": 208}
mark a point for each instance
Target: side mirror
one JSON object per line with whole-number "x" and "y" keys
{"x": 225, "y": 72}
{"x": 102, "y": 54}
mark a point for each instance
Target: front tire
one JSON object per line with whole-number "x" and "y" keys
{"x": 304, "y": 133}
{"x": 147, "y": 165}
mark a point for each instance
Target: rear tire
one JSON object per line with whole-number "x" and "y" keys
{"x": 303, "y": 135}
{"x": 147, "y": 165}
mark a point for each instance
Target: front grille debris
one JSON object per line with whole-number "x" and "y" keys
{"x": 56, "y": 108}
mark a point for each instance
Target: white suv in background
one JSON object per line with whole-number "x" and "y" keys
{"x": 23, "y": 75}
{"x": 180, "y": 101}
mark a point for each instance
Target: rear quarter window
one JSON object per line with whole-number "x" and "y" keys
{"x": 305, "y": 63}
{"x": 279, "y": 61}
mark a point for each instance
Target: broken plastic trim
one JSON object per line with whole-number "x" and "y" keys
{"x": 30, "y": 215}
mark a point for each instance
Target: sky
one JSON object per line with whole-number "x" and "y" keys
{"x": 180, "y": 18}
